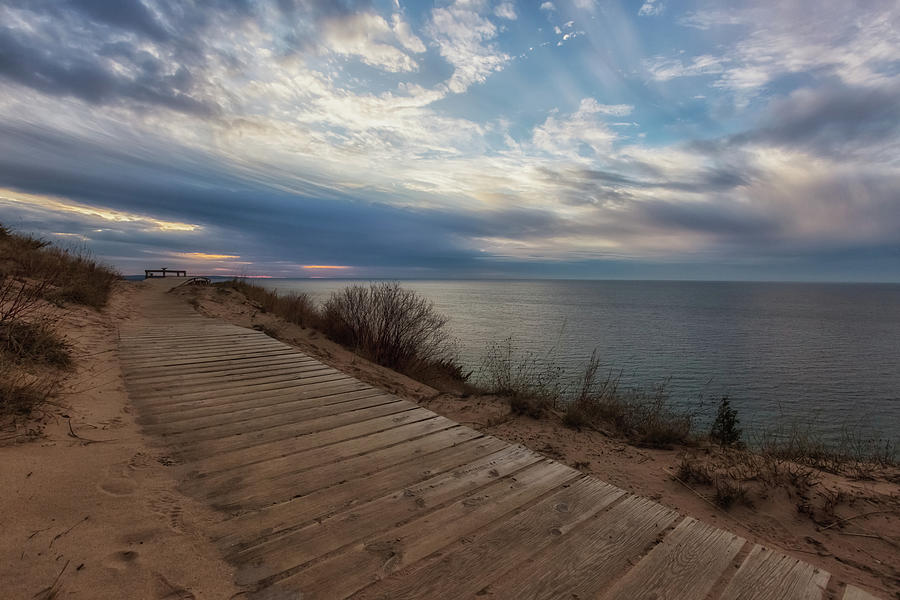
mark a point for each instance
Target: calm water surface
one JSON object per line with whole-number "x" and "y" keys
{"x": 822, "y": 353}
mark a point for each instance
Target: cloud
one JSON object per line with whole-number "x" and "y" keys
{"x": 584, "y": 129}
{"x": 464, "y": 39}
{"x": 506, "y": 10}
{"x": 664, "y": 69}
{"x": 651, "y": 8}
{"x": 369, "y": 37}
{"x": 548, "y": 6}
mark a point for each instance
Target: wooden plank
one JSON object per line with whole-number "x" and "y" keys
{"x": 147, "y": 351}
{"x": 174, "y": 358}
{"x": 220, "y": 359}
{"x": 377, "y": 557}
{"x": 212, "y": 367}
{"x": 262, "y": 406}
{"x": 297, "y": 484}
{"x": 854, "y": 593}
{"x": 197, "y": 449}
{"x": 364, "y": 520}
{"x": 252, "y": 528}
{"x": 298, "y": 390}
{"x": 171, "y": 388}
{"x": 687, "y": 564}
{"x": 586, "y": 562}
{"x": 184, "y": 378}
{"x": 150, "y": 391}
{"x": 322, "y": 432}
{"x": 769, "y": 575}
{"x": 470, "y": 566}
{"x": 222, "y": 396}
{"x": 261, "y": 481}
{"x": 302, "y": 413}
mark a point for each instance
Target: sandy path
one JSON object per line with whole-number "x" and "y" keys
{"x": 97, "y": 515}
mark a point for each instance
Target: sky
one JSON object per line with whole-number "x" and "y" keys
{"x": 646, "y": 139}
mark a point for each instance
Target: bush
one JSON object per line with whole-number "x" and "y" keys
{"x": 21, "y": 393}
{"x": 59, "y": 275}
{"x": 725, "y": 429}
{"x": 293, "y": 307}
{"x": 387, "y": 324}
{"x": 23, "y": 342}
{"x": 532, "y": 385}
{"x": 645, "y": 416}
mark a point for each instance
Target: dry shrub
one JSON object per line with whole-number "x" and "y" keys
{"x": 293, "y": 307}
{"x": 62, "y": 275}
{"x": 645, "y": 416}
{"x": 389, "y": 325}
{"x": 383, "y": 322}
{"x": 34, "y": 343}
{"x": 531, "y": 384}
{"x": 21, "y": 393}
{"x": 728, "y": 492}
{"x": 853, "y": 453}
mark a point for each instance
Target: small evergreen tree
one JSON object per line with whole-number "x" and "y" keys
{"x": 725, "y": 429}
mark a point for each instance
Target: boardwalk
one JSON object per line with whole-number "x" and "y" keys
{"x": 335, "y": 489}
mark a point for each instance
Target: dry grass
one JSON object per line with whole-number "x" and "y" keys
{"x": 531, "y": 384}
{"x": 60, "y": 275}
{"x": 23, "y": 342}
{"x": 852, "y": 454}
{"x": 22, "y": 392}
{"x": 32, "y": 353}
{"x": 294, "y": 308}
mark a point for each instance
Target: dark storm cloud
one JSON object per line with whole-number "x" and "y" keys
{"x": 719, "y": 219}
{"x": 127, "y": 14}
{"x": 831, "y": 121}
{"x": 26, "y": 60}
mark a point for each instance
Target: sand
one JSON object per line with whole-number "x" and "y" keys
{"x": 88, "y": 508}
{"x": 92, "y": 511}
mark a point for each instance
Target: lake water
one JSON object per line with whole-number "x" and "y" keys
{"x": 826, "y": 354}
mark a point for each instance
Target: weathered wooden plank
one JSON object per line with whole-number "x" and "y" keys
{"x": 298, "y": 391}
{"x": 377, "y": 557}
{"x": 219, "y": 357}
{"x": 184, "y": 378}
{"x": 259, "y": 482}
{"x": 237, "y": 393}
{"x": 470, "y": 567}
{"x": 769, "y": 575}
{"x": 686, "y": 564}
{"x": 255, "y": 527}
{"x": 289, "y": 485}
{"x": 184, "y": 436}
{"x": 854, "y": 593}
{"x": 211, "y": 367}
{"x": 148, "y": 391}
{"x": 222, "y": 414}
{"x": 586, "y": 562}
{"x": 322, "y": 432}
{"x": 361, "y": 521}
{"x": 174, "y": 358}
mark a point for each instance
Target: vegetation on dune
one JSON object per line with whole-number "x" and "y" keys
{"x": 383, "y": 322}
{"x": 32, "y": 353}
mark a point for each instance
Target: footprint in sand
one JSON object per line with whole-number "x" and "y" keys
{"x": 121, "y": 560}
{"x": 163, "y": 589}
{"x": 167, "y": 506}
{"x": 118, "y": 486}
{"x": 118, "y": 481}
